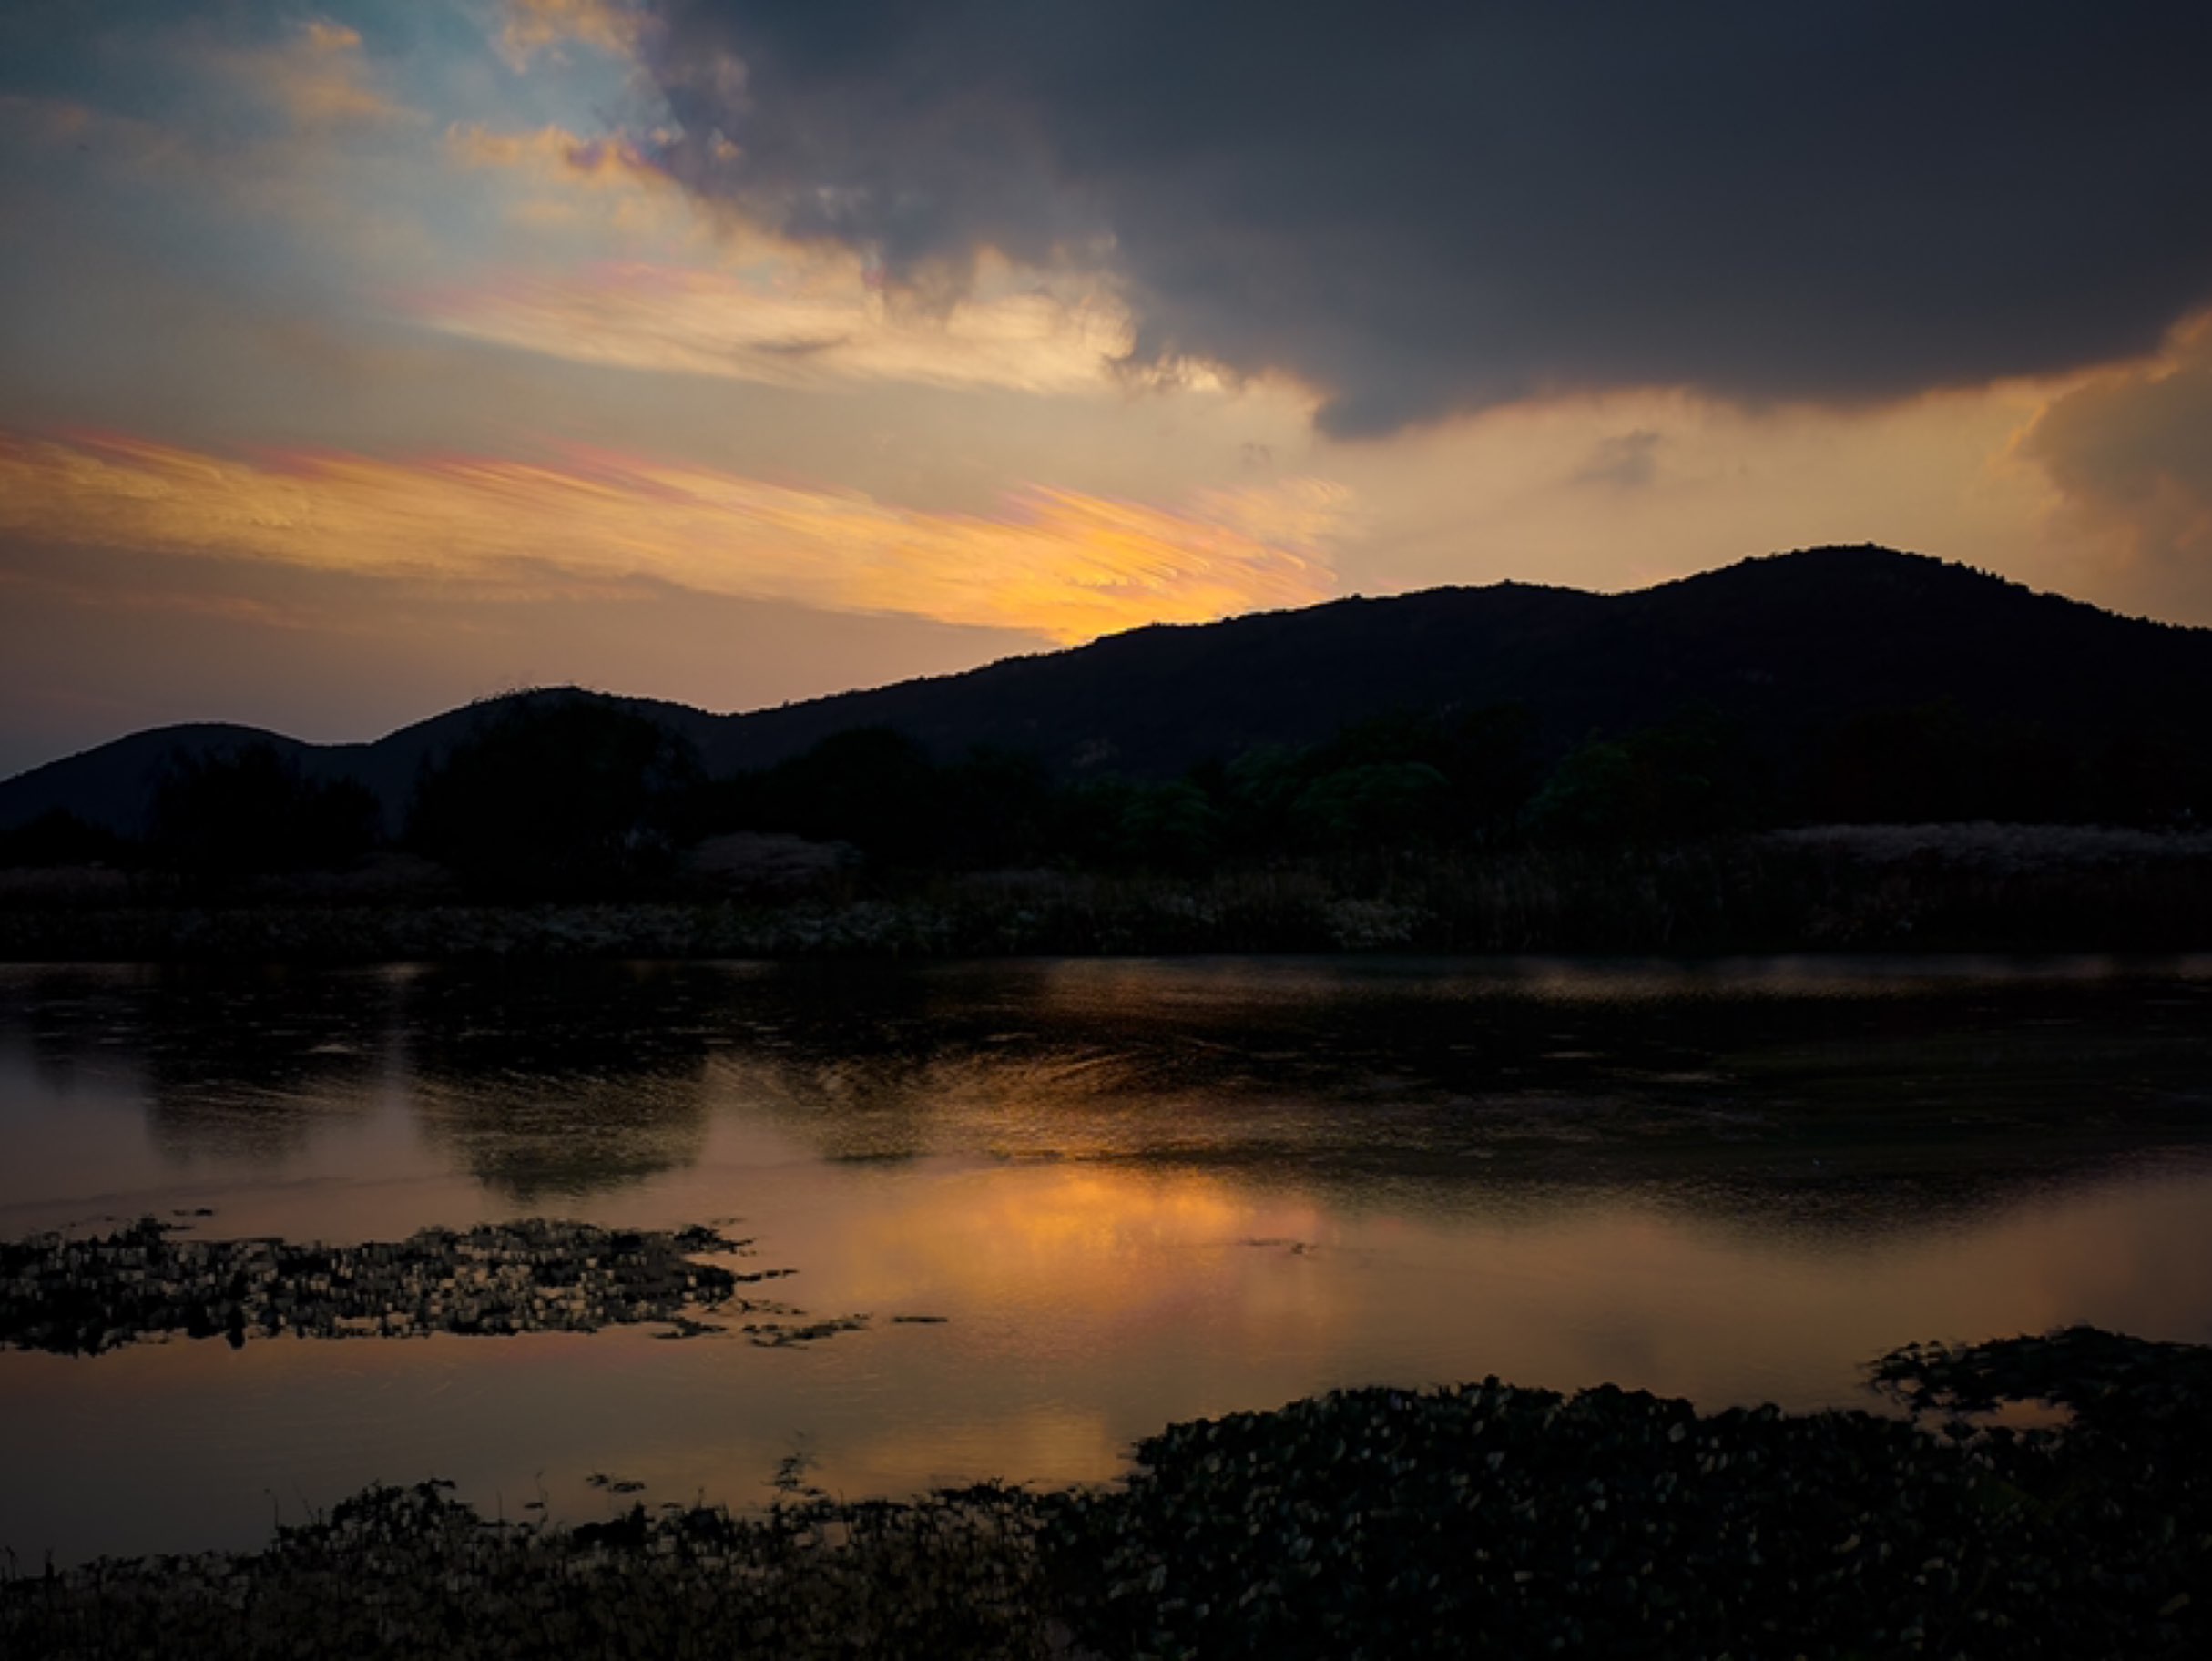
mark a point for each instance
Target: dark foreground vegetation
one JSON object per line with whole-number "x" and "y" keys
{"x": 1480, "y": 1520}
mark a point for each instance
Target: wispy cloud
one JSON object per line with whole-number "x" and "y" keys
{"x": 323, "y": 80}
{"x": 31, "y": 123}
{"x": 300, "y": 129}
{"x": 318, "y": 77}
{"x": 788, "y": 326}
{"x": 1053, "y": 561}
{"x": 718, "y": 295}
{"x": 532, "y": 26}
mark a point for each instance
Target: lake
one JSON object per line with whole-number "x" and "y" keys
{"x": 1124, "y": 1192}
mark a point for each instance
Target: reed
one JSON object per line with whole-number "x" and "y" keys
{"x": 1874, "y": 888}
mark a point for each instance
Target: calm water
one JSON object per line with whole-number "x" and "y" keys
{"x": 1137, "y": 1191}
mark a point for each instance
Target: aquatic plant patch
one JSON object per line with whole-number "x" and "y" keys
{"x": 150, "y": 1281}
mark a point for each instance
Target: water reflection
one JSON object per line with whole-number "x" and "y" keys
{"x": 1086, "y": 1305}
{"x": 1135, "y": 1191}
{"x": 537, "y": 1139}
{"x": 239, "y": 1067}
{"x": 585, "y": 1019}
{"x": 556, "y": 1082}
{"x": 1820, "y": 1097}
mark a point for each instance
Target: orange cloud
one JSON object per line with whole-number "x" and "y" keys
{"x": 555, "y": 152}
{"x": 1053, "y": 561}
{"x": 609, "y": 182}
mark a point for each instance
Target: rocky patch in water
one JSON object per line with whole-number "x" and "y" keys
{"x": 81, "y": 1296}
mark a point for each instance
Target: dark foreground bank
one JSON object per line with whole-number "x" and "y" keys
{"x": 1480, "y": 1520}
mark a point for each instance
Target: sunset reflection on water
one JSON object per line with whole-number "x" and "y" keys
{"x": 1122, "y": 1217}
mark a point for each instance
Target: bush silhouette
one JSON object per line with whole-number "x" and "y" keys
{"x": 1691, "y": 777}
{"x": 58, "y": 837}
{"x": 252, "y": 811}
{"x": 1388, "y": 802}
{"x": 1168, "y": 827}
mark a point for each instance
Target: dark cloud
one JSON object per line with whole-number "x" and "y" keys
{"x": 1428, "y": 208}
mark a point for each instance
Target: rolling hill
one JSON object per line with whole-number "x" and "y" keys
{"x": 1786, "y": 648}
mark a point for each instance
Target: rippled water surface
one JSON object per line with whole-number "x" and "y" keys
{"x": 1134, "y": 1192}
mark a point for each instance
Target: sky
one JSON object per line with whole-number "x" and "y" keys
{"x": 361, "y": 359}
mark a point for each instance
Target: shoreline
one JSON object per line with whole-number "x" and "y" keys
{"x": 1874, "y": 889}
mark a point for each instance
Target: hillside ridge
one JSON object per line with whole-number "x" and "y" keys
{"x": 1781, "y": 644}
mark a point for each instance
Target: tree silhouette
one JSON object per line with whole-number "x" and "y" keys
{"x": 573, "y": 794}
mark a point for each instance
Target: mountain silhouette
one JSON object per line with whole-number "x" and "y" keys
{"x": 1787, "y": 648}
{"x": 113, "y": 785}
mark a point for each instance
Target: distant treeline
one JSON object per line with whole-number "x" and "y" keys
{"x": 582, "y": 796}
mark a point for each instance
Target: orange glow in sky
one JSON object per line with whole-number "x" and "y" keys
{"x": 1059, "y": 563}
